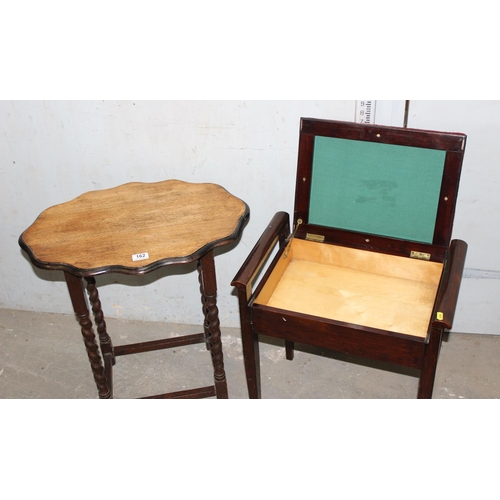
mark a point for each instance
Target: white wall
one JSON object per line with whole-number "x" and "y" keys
{"x": 51, "y": 152}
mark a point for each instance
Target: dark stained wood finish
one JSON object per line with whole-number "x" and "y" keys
{"x": 208, "y": 285}
{"x": 155, "y": 345}
{"x": 447, "y": 295}
{"x": 77, "y": 294}
{"x": 202, "y": 392}
{"x": 419, "y": 353}
{"x": 448, "y": 198}
{"x": 341, "y": 337}
{"x": 404, "y": 350}
{"x": 453, "y": 144}
{"x": 429, "y": 361}
{"x": 374, "y": 243}
{"x": 384, "y": 134}
{"x": 97, "y": 233}
{"x": 276, "y": 233}
{"x": 104, "y": 339}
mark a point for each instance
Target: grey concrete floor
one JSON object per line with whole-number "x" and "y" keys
{"x": 42, "y": 356}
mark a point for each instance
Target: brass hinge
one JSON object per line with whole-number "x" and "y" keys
{"x": 315, "y": 237}
{"x": 420, "y": 255}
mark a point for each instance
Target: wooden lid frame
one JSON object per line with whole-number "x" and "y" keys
{"x": 452, "y": 146}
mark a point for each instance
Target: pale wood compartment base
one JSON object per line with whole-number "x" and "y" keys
{"x": 375, "y": 290}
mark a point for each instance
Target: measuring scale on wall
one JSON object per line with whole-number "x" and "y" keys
{"x": 365, "y": 112}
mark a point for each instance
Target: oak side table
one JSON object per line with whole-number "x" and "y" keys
{"x": 134, "y": 229}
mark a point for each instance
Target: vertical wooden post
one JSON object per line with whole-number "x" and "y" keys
{"x": 429, "y": 364}
{"x": 77, "y": 293}
{"x": 206, "y": 270}
{"x": 250, "y": 345}
{"x": 104, "y": 338}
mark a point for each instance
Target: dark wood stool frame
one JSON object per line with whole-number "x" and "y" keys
{"x": 82, "y": 289}
{"x": 293, "y": 325}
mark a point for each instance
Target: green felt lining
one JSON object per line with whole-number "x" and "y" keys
{"x": 373, "y": 188}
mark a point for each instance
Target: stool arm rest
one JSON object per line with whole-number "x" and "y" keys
{"x": 447, "y": 296}
{"x": 278, "y": 230}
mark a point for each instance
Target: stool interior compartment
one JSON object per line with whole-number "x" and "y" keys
{"x": 354, "y": 286}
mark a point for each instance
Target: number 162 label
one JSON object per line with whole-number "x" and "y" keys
{"x": 140, "y": 256}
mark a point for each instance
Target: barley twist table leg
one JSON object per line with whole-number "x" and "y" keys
{"x": 206, "y": 270}
{"x": 104, "y": 338}
{"x": 77, "y": 294}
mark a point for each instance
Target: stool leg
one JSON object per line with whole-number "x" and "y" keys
{"x": 104, "y": 339}
{"x": 206, "y": 270}
{"x": 77, "y": 294}
{"x": 250, "y": 346}
{"x": 251, "y": 359}
{"x": 429, "y": 364}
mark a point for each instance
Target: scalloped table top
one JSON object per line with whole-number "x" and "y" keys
{"x": 134, "y": 228}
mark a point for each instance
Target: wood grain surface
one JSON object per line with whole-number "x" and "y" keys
{"x": 354, "y": 286}
{"x": 171, "y": 221}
